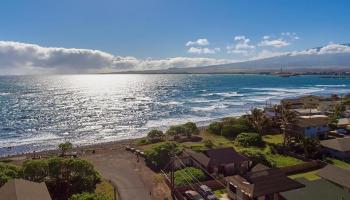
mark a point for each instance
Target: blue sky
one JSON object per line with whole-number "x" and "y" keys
{"x": 161, "y": 28}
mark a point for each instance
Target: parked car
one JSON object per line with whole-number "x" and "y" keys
{"x": 341, "y": 131}
{"x": 207, "y": 193}
{"x": 193, "y": 195}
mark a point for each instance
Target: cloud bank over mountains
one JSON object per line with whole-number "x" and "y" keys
{"x": 23, "y": 58}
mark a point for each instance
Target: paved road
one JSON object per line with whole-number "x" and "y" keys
{"x": 121, "y": 168}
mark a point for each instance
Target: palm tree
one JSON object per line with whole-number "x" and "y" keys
{"x": 288, "y": 118}
{"x": 258, "y": 120}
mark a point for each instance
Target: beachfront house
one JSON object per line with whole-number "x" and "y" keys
{"x": 344, "y": 123}
{"x": 224, "y": 161}
{"x": 19, "y": 189}
{"x": 338, "y": 148}
{"x": 309, "y": 101}
{"x": 306, "y": 111}
{"x": 312, "y": 126}
{"x": 327, "y": 104}
{"x": 261, "y": 183}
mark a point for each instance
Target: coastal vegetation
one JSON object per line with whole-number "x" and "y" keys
{"x": 249, "y": 139}
{"x": 89, "y": 196}
{"x": 8, "y": 171}
{"x": 188, "y": 175}
{"x": 158, "y": 156}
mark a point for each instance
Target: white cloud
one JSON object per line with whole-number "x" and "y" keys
{"x": 242, "y": 46}
{"x": 278, "y": 43}
{"x": 23, "y": 58}
{"x": 198, "y": 50}
{"x": 291, "y": 35}
{"x": 328, "y": 49}
{"x": 198, "y": 42}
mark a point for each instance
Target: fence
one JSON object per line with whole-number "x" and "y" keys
{"x": 303, "y": 167}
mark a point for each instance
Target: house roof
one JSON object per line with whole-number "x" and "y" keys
{"x": 343, "y": 121}
{"x": 199, "y": 157}
{"x": 312, "y": 121}
{"x": 319, "y": 189}
{"x": 305, "y": 111}
{"x": 224, "y": 156}
{"x": 336, "y": 175}
{"x": 268, "y": 181}
{"x": 339, "y": 144}
{"x": 19, "y": 189}
{"x": 259, "y": 167}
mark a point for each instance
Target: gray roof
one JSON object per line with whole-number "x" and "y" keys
{"x": 268, "y": 181}
{"x": 336, "y": 175}
{"x": 339, "y": 144}
{"x": 19, "y": 189}
{"x": 317, "y": 189}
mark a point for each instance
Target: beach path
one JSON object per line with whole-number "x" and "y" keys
{"x": 122, "y": 169}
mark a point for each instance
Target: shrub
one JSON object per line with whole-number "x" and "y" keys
{"x": 35, "y": 170}
{"x": 89, "y": 196}
{"x": 159, "y": 155}
{"x": 8, "y": 171}
{"x": 188, "y": 175}
{"x": 208, "y": 143}
{"x": 176, "y": 130}
{"x": 249, "y": 139}
{"x": 215, "y": 128}
{"x": 155, "y": 136}
{"x": 257, "y": 157}
{"x": 231, "y": 131}
{"x": 64, "y": 147}
{"x": 191, "y": 129}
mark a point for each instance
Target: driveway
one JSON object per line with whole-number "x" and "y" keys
{"x": 122, "y": 169}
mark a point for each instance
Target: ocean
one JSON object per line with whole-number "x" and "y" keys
{"x": 39, "y": 112}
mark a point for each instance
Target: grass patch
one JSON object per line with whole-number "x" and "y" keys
{"x": 338, "y": 163}
{"x": 311, "y": 176}
{"x": 283, "y": 161}
{"x": 105, "y": 188}
{"x": 273, "y": 139}
{"x": 219, "y": 193}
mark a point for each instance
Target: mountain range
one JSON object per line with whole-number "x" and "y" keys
{"x": 330, "y": 58}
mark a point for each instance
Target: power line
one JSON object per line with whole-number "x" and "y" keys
{"x": 206, "y": 171}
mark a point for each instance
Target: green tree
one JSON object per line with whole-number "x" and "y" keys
{"x": 258, "y": 120}
{"x": 188, "y": 175}
{"x": 249, "y": 139}
{"x": 258, "y": 157}
{"x": 176, "y": 130}
{"x": 65, "y": 147}
{"x": 159, "y": 155}
{"x": 35, "y": 170}
{"x": 155, "y": 136}
{"x": 89, "y": 196}
{"x": 215, "y": 128}
{"x": 311, "y": 147}
{"x": 287, "y": 120}
{"x": 191, "y": 129}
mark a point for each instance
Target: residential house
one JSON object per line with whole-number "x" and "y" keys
{"x": 327, "y": 104}
{"x": 338, "y": 148}
{"x": 312, "y": 126}
{"x": 224, "y": 161}
{"x": 309, "y": 101}
{"x": 344, "y": 123}
{"x": 306, "y": 111}
{"x": 261, "y": 183}
{"x": 336, "y": 175}
{"x": 19, "y": 189}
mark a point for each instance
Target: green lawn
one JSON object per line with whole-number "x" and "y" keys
{"x": 273, "y": 139}
{"x": 283, "y": 161}
{"x": 311, "y": 176}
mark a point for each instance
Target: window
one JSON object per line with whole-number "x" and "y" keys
{"x": 232, "y": 188}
